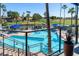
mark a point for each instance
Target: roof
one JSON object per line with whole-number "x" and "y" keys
{"x": 76, "y": 4}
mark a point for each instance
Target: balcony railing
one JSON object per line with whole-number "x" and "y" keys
{"x": 26, "y": 49}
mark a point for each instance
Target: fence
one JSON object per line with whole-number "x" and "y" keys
{"x": 26, "y": 49}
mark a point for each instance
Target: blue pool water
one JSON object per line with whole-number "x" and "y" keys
{"x": 36, "y": 38}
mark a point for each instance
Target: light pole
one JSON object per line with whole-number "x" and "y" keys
{"x": 48, "y": 27}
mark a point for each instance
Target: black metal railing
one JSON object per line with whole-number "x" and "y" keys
{"x": 26, "y": 47}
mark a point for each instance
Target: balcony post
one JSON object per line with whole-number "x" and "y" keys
{"x": 18, "y": 51}
{"x": 26, "y": 54}
{"x": 59, "y": 39}
{"x": 48, "y": 28}
{"x": 3, "y": 45}
{"x": 76, "y": 23}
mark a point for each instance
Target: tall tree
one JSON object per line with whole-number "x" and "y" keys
{"x": 71, "y": 11}
{"x": 23, "y": 17}
{"x": 36, "y": 17}
{"x": 13, "y": 14}
{"x": 28, "y": 16}
{"x": 53, "y": 17}
{"x": 64, "y": 8}
{"x": 3, "y": 9}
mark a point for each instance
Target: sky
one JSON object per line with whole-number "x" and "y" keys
{"x": 54, "y": 8}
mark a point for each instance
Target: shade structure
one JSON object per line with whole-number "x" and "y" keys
{"x": 15, "y": 26}
{"x": 55, "y": 25}
{"x": 76, "y": 4}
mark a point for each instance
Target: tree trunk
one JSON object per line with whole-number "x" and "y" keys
{"x": 48, "y": 27}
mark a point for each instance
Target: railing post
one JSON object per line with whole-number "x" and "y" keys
{"x": 76, "y": 23}
{"x": 14, "y": 44}
{"x": 26, "y": 54}
{"x": 18, "y": 51}
{"x": 3, "y": 45}
{"x": 59, "y": 39}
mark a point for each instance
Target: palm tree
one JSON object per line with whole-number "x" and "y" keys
{"x": 48, "y": 27}
{"x": 23, "y": 16}
{"x": 64, "y": 7}
{"x": 28, "y": 15}
{"x": 0, "y": 10}
{"x": 71, "y": 10}
{"x": 4, "y": 10}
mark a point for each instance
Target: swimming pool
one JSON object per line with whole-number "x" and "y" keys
{"x": 34, "y": 40}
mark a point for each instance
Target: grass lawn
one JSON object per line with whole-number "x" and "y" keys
{"x": 67, "y": 22}
{"x": 42, "y": 21}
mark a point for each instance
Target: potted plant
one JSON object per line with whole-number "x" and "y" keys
{"x": 68, "y": 44}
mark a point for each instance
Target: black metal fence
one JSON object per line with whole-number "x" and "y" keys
{"x": 26, "y": 49}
